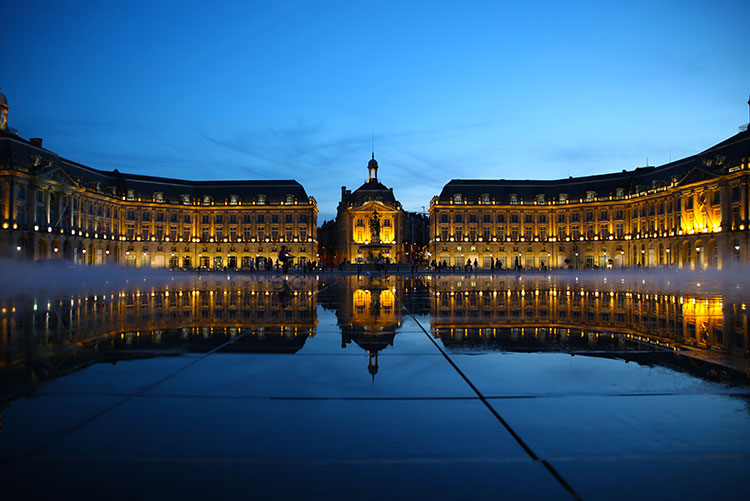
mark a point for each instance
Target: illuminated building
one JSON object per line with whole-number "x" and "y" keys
{"x": 370, "y": 223}
{"x": 691, "y": 213}
{"x": 53, "y": 208}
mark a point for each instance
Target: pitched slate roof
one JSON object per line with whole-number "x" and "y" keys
{"x": 712, "y": 162}
{"x": 16, "y": 151}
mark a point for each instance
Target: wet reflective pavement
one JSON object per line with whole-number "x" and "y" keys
{"x": 475, "y": 386}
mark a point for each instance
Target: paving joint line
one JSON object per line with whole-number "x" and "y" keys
{"x": 494, "y": 412}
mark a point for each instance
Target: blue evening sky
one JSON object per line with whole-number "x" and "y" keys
{"x": 295, "y": 89}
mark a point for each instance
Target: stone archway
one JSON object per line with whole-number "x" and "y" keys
{"x": 685, "y": 261}
{"x": 735, "y": 250}
{"x": 55, "y": 248}
{"x": 712, "y": 254}
{"x": 700, "y": 255}
{"x": 652, "y": 259}
{"x": 42, "y": 249}
{"x": 67, "y": 250}
{"x": 661, "y": 254}
{"x": 21, "y": 250}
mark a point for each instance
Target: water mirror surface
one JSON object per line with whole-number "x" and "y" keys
{"x": 449, "y": 385}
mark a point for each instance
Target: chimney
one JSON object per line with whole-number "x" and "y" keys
{"x": 36, "y": 141}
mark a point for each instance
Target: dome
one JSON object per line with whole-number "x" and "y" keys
{"x": 3, "y": 100}
{"x": 372, "y": 162}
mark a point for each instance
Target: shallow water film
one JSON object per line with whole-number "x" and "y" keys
{"x": 347, "y": 386}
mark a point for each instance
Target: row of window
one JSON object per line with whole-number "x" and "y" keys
{"x": 187, "y": 199}
{"x": 651, "y": 209}
{"x": 159, "y": 217}
{"x": 541, "y": 199}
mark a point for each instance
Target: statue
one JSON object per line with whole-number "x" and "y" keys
{"x": 375, "y": 228}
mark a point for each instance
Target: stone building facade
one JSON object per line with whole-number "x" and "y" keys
{"x": 691, "y": 213}
{"x": 53, "y": 208}
{"x": 370, "y": 223}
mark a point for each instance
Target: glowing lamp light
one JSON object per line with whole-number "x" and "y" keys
{"x": 5, "y": 226}
{"x": 18, "y": 248}
{"x": 49, "y": 229}
{"x": 36, "y": 227}
{"x": 15, "y": 226}
{"x": 55, "y": 249}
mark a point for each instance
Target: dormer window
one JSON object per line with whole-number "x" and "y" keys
{"x": 289, "y": 199}
{"x": 159, "y": 197}
{"x": 130, "y": 195}
{"x": 458, "y": 198}
{"x": 540, "y": 199}
{"x": 234, "y": 199}
{"x": 590, "y": 196}
{"x": 485, "y": 198}
{"x": 206, "y": 200}
{"x": 563, "y": 197}
{"x": 185, "y": 199}
{"x": 261, "y": 199}
{"x": 513, "y": 199}
{"x": 620, "y": 193}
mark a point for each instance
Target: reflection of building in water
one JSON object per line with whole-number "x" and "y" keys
{"x": 480, "y": 309}
{"x": 261, "y": 315}
{"x": 369, "y": 314}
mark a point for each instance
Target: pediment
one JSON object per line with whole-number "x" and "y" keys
{"x": 58, "y": 174}
{"x": 377, "y": 205}
{"x": 696, "y": 175}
